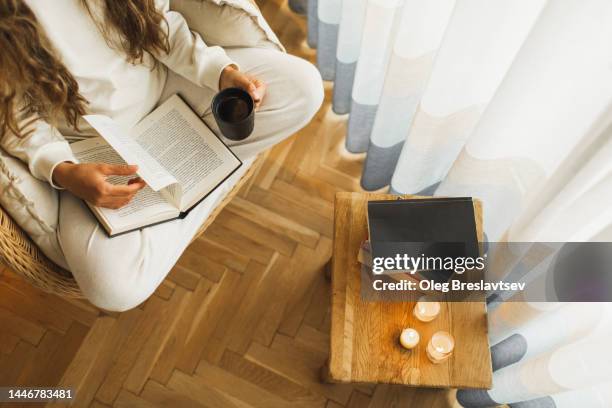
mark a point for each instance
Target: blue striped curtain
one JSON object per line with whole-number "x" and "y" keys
{"x": 509, "y": 101}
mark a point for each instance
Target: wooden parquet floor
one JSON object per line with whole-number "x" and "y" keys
{"x": 241, "y": 321}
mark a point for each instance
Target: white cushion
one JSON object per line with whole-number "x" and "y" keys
{"x": 228, "y": 23}
{"x": 32, "y": 204}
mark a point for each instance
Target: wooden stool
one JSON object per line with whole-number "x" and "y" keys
{"x": 364, "y": 344}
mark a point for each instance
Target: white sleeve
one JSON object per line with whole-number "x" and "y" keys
{"x": 40, "y": 146}
{"x": 189, "y": 56}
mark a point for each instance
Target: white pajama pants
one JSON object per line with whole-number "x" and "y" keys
{"x": 119, "y": 273}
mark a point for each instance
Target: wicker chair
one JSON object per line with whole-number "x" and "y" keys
{"x": 23, "y": 257}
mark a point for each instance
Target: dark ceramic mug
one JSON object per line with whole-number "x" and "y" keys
{"x": 234, "y": 112}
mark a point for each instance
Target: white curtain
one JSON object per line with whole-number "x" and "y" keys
{"x": 509, "y": 101}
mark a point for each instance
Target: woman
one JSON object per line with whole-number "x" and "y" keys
{"x": 65, "y": 58}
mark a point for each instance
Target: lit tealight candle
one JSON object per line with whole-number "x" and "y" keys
{"x": 426, "y": 310}
{"x": 440, "y": 347}
{"x": 409, "y": 338}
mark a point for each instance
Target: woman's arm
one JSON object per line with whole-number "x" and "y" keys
{"x": 40, "y": 146}
{"x": 50, "y": 159}
{"x": 205, "y": 66}
{"x": 189, "y": 56}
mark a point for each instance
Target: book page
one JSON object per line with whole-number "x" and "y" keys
{"x": 148, "y": 206}
{"x": 149, "y": 169}
{"x": 178, "y": 139}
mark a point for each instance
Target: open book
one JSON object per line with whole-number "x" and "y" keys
{"x": 178, "y": 156}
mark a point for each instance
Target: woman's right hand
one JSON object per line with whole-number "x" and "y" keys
{"x": 88, "y": 181}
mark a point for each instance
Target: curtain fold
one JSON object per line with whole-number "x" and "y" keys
{"x": 468, "y": 70}
{"x": 347, "y": 52}
{"x": 381, "y": 22}
{"x": 538, "y": 116}
{"x": 510, "y": 102}
{"x": 420, "y": 32}
{"x": 328, "y": 14}
{"x": 312, "y": 9}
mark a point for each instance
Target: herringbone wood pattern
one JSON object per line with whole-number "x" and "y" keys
{"x": 242, "y": 320}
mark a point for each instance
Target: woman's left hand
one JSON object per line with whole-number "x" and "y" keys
{"x": 231, "y": 77}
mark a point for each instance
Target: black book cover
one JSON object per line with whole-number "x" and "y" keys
{"x": 435, "y": 227}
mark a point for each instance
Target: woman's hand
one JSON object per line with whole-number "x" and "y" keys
{"x": 231, "y": 77}
{"x": 88, "y": 181}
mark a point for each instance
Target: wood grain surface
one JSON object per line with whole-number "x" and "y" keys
{"x": 364, "y": 335}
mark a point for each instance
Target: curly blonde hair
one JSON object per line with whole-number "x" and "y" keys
{"x": 34, "y": 83}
